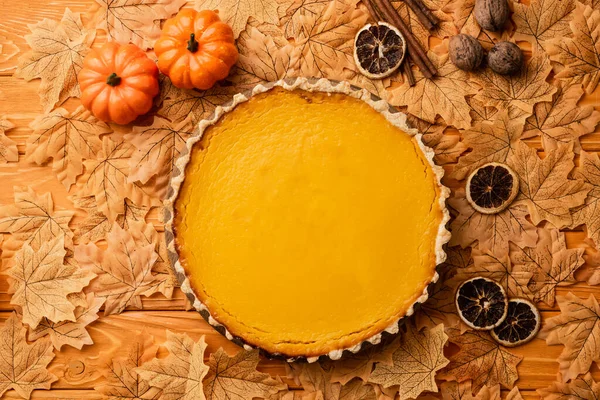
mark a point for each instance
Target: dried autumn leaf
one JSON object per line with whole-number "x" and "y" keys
{"x": 56, "y": 57}
{"x": 481, "y": 112}
{"x": 550, "y": 263}
{"x": 33, "y": 220}
{"x": 40, "y": 283}
{"x": 444, "y": 28}
{"x": 589, "y": 212}
{"x": 492, "y": 231}
{"x": 489, "y": 143}
{"x": 178, "y": 104}
{"x": 580, "y": 54}
{"x": 447, "y": 147}
{"x": 326, "y": 42}
{"x": 122, "y": 380}
{"x": 578, "y": 329}
{"x": 542, "y": 20}
{"x": 360, "y": 365}
{"x": 134, "y": 21}
{"x": 179, "y": 375}
{"x": 237, "y": 12}
{"x": 106, "y": 178}
{"x": 562, "y": 121}
{"x": 123, "y": 269}
{"x": 514, "y": 279}
{"x": 358, "y": 390}
{"x": 22, "y": 365}
{"x": 481, "y": 359}
{"x": 517, "y": 93}
{"x": 442, "y": 95}
{"x": 67, "y": 138}
{"x": 70, "y": 333}
{"x": 263, "y": 57}
{"x": 8, "y": 147}
{"x": 96, "y": 225}
{"x": 584, "y": 388}
{"x": 462, "y": 391}
{"x": 415, "y": 362}
{"x": 462, "y": 14}
{"x": 237, "y": 378}
{"x": 544, "y": 185}
{"x": 290, "y": 22}
{"x": 317, "y": 381}
{"x": 514, "y": 394}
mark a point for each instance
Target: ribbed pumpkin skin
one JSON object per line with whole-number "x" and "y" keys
{"x": 197, "y": 61}
{"x": 118, "y": 82}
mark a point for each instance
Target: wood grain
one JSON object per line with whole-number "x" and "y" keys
{"x": 80, "y": 371}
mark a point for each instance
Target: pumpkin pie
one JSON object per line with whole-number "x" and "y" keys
{"x": 306, "y": 219}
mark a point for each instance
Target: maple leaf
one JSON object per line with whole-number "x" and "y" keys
{"x": 8, "y": 147}
{"x": 325, "y": 45}
{"x": 589, "y": 213}
{"x": 67, "y": 138}
{"x": 41, "y": 282}
{"x": 158, "y": 148}
{"x": 360, "y": 365}
{"x": 542, "y": 20}
{"x": 290, "y": 22}
{"x": 447, "y": 147}
{"x": 415, "y": 362}
{"x": 134, "y": 21}
{"x": 481, "y": 112}
{"x": 444, "y": 28}
{"x": 514, "y": 279}
{"x": 8, "y": 50}
{"x": 492, "y": 231}
{"x": 237, "y": 378}
{"x": 70, "y": 333}
{"x": 122, "y": 380}
{"x": 481, "y": 359}
{"x": 263, "y": 57}
{"x": 23, "y": 365}
{"x": 489, "y": 143}
{"x": 106, "y": 178}
{"x": 462, "y": 14}
{"x": 562, "y": 120}
{"x": 33, "y": 220}
{"x": 123, "y": 269}
{"x": 96, "y": 225}
{"x": 583, "y": 388}
{"x": 442, "y": 95}
{"x": 56, "y": 58}
{"x": 356, "y": 389}
{"x": 550, "y": 263}
{"x": 580, "y": 54}
{"x": 517, "y": 93}
{"x": 462, "y": 391}
{"x": 179, "y": 375}
{"x": 544, "y": 185}
{"x": 179, "y": 104}
{"x": 237, "y": 12}
{"x": 578, "y": 329}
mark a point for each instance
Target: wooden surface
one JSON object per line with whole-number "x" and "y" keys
{"x": 80, "y": 371}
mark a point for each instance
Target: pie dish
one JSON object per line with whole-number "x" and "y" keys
{"x": 306, "y": 218}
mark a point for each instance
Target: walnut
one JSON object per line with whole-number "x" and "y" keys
{"x": 505, "y": 58}
{"x": 465, "y": 52}
{"x": 491, "y": 14}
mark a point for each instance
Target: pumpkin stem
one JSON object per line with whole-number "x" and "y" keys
{"x": 192, "y": 43}
{"x": 113, "y": 79}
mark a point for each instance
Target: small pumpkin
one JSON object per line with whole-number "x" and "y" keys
{"x": 118, "y": 82}
{"x": 195, "y": 49}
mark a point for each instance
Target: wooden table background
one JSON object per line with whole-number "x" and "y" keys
{"x": 79, "y": 371}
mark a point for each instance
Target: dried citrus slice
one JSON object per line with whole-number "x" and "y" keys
{"x": 521, "y": 325}
{"x": 492, "y": 187}
{"x": 481, "y": 303}
{"x": 378, "y": 50}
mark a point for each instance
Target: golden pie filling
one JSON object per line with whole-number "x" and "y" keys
{"x": 307, "y": 222}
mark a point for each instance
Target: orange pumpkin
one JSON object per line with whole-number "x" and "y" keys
{"x": 118, "y": 82}
{"x": 196, "y": 49}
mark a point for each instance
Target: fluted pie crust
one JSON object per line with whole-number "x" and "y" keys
{"x": 309, "y": 219}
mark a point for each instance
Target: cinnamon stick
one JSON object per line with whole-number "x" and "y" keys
{"x": 410, "y": 77}
{"x": 419, "y": 12}
{"x": 416, "y": 52}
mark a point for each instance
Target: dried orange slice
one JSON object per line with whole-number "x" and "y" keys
{"x": 481, "y": 303}
{"x": 378, "y": 50}
{"x": 492, "y": 187}
{"x": 521, "y": 325}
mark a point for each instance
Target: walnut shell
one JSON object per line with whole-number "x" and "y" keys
{"x": 465, "y": 52}
{"x": 505, "y": 58}
{"x": 491, "y": 15}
